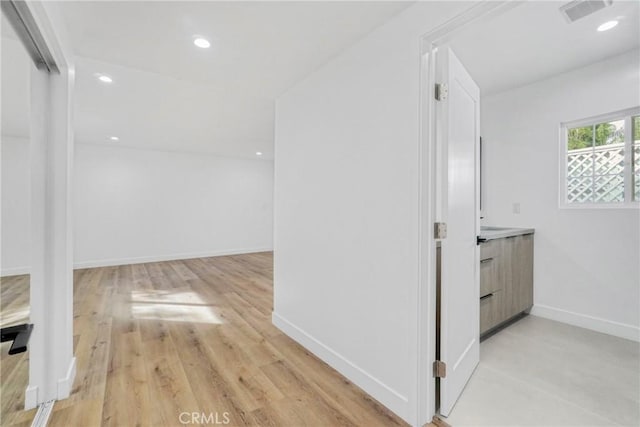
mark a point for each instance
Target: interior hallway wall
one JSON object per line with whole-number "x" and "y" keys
{"x": 587, "y": 261}
{"x": 346, "y": 205}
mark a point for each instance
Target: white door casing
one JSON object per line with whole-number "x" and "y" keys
{"x": 458, "y": 134}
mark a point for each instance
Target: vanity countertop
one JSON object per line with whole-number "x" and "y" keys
{"x": 490, "y": 232}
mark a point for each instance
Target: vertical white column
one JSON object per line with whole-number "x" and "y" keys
{"x": 51, "y": 364}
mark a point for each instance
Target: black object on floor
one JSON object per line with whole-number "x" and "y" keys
{"x": 19, "y": 334}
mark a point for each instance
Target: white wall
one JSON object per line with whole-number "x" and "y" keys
{"x": 346, "y": 206}
{"x": 16, "y": 222}
{"x": 140, "y": 205}
{"x": 587, "y": 261}
{"x": 135, "y": 205}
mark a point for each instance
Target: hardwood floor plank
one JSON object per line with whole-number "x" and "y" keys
{"x": 228, "y": 358}
{"x": 127, "y": 383}
{"x": 84, "y": 412}
{"x": 334, "y": 387}
{"x": 183, "y": 271}
{"x": 155, "y": 340}
{"x": 209, "y": 385}
{"x": 14, "y": 369}
{"x": 293, "y": 385}
{"x": 92, "y": 357}
{"x": 259, "y": 321}
{"x": 138, "y": 272}
{"x": 284, "y": 412}
{"x": 169, "y": 388}
{"x": 262, "y": 389}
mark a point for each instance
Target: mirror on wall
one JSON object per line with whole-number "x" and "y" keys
{"x": 15, "y": 219}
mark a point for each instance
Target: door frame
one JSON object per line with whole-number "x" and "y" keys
{"x": 430, "y": 191}
{"x": 52, "y": 368}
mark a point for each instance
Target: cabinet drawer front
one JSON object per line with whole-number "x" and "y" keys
{"x": 489, "y": 278}
{"x": 489, "y": 249}
{"x": 491, "y": 311}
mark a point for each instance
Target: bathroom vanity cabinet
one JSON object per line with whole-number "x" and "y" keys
{"x": 506, "y": 276}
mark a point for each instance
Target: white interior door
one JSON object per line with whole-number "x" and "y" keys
{"x": 458, "y": 135}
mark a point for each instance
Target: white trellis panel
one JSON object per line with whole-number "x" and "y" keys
{"x": 636, "y": 169}
{"x": 597, "y": 174}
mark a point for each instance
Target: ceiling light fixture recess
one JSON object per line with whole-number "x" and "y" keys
{"x": 607, "y": 25}
{"x": 114, "y": 138}
{"x": 201, "y": 42}
{"x": 258, "y": 153}
{"x": 104, "y": 78}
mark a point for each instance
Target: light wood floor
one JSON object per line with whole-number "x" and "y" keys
{"x": 14, "y": 370}
{"x": 156, "y": 340}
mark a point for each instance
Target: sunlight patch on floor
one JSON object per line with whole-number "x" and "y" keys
{"x": 180, "y": 306}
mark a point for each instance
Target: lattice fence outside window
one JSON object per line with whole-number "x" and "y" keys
{"x": 596, "y": 174}
{"x": 636, "y": 167}
{"x": 601, "y": 160}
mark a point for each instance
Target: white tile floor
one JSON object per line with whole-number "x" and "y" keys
{"x": 538, "y": 372}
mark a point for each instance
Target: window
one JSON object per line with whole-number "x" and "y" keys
{"x": 601, "y": 161}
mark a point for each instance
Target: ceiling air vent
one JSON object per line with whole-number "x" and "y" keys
{"x": 578, "y": 9}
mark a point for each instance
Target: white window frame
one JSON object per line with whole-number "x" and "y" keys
{"x": 628, "y": 203}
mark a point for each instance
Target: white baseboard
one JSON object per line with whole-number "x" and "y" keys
{"x": 139, "y": 260}
{"x": 65, "y": 384}
{"x": 390, "y": 398}
{"x": 63, "y": 390}
{"x": 597, "y": 324}
{"x": 160, "y": 258}
{"x": 15, "y": 271}
{"x": 31, "y": 397}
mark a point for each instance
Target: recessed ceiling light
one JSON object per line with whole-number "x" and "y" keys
{"x": 203, "y": 43}
{"x": 104, "y": 78}
{"x": 607, "y": 25}
{"x": 114, "y": 138}
{"x": 258, "y": 153}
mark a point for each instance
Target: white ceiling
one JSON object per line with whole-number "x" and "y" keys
{"x": 533, "y": 41}
{"x": 168, "y": 94}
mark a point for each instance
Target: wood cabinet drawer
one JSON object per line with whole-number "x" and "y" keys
{"x": 506, "y": 279}
{"x": 491, "y": 313}
{"x": 489, "y": 249}
{"x": 489, "y": 277}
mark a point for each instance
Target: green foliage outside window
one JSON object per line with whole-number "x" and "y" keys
{"x": 605, "y": 133}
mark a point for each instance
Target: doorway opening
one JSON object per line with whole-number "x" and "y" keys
{"x": 516, "y": 85}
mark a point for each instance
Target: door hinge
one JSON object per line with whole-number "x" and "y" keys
{"x": 440, "y": 230}
{"x": 439, "y": 369}
{"x": 442, "y": 90}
